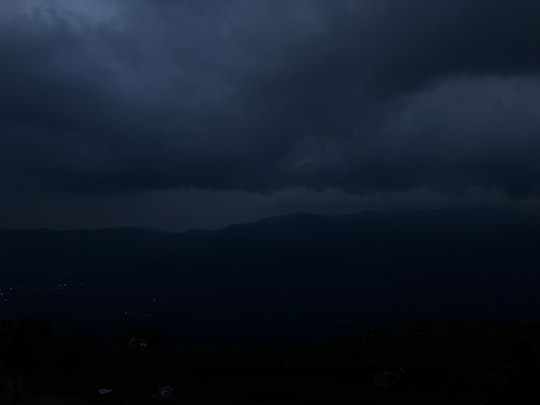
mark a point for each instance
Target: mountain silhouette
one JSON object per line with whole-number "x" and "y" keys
{"x": 298, "y": 276}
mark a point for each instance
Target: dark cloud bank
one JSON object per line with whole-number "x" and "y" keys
{"x": 240, "y": 96}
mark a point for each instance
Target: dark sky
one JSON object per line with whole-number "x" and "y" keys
{"x": 200, "y": 113}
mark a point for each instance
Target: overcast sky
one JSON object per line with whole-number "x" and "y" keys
{"x": 200, "y": 113}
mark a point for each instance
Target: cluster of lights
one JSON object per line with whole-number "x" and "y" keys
{"x": 61, "y": 287}
{"x": 7, "y": 293}
{"x": 4, "y": 295}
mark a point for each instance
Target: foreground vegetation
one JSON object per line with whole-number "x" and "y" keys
{"x": 442, "y": 363}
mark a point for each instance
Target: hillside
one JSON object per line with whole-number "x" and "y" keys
{"x": 295, "y": 278}
{"x": 443, "y": 363}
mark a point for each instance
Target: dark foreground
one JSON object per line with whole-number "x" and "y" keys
{"x": 443, "y": 363}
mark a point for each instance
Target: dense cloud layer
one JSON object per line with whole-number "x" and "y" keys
{"x": 262, "y": 95}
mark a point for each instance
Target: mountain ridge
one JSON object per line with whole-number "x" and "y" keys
{"x": 287, "y": 275}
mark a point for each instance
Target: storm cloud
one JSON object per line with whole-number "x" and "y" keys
{"x": 265, "y": 95}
